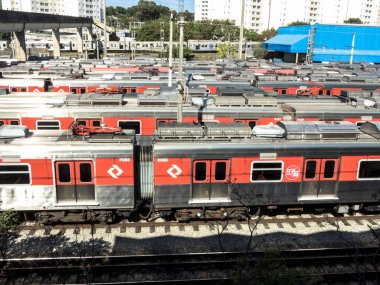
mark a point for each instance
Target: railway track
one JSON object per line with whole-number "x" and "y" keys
{"x": 330, "y": 264}
{"x": 266, "y": 221}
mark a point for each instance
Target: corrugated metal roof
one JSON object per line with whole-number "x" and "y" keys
{"x": 285, "y": 39}
{"x": 287, "y": 43}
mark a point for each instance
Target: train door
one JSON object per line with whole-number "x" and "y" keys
{"x": 210, "y": 179}
{"x": 320, "y": 177}
{"x": 74, "y": 181}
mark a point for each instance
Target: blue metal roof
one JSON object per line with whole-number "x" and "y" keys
{"x": 287, "y": 43}
{"x": 332, "y": 42}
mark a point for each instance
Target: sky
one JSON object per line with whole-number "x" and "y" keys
{"x": 189, "y": 4}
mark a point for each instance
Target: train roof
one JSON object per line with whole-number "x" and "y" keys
{"x": 220, "y": 140}
{"x": 39, "y": 144}
{"x": 277, "y": 84}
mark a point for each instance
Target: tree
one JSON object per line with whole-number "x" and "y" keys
{"x": 259, "y": 52}
{"x": 144, "y": 11}
{"x": 298, "y": 23}
{"x": 250, "y": 35}
{"x": 226, "y": 50}
{"x": 267, "y": 34}
{"x": 353, "y": 21}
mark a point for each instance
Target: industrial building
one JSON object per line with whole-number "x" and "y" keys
{"x": 320, "y": 42}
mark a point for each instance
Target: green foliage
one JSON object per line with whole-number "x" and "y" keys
{"x": 8, "y": 222}
{"x": 251, "y": 36}
{"x": 8, "y": 225}
{"x": 298, "y": 23}
{"x": 226, "y": 50}
{"x": 187, "y": 53}
{"x": 353, "y": 21}
{"x": 144, "y": 11}
{"x": 271, "y": 269}
{"x": 267, "y": 34}
{"x": 259, "y": 52}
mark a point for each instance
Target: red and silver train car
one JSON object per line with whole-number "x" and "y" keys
{"x": 325, "y": 88}
{"x": 52, "y": 112}
{"x": 25, "y": 85}
{"x": 46, "y": 174}
{"x": 312, "y": 164}
{"x": 191, "y": 171}
{"x": 80, "y": 86}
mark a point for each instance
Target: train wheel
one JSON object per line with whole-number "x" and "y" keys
{"x": 146, "y": 212}
{"x": 254, "y": 212}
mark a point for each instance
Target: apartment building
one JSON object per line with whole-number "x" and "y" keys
{"x": 79, "y": 8}
{"x": 264, "y": 14}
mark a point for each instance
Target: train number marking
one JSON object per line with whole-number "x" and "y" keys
{"x": 111, "y": 171}
{"x": 292, "y": 172}
{"x": 177, "y": 172}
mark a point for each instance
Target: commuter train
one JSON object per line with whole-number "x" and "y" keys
{"x": 80, "y": 86}
{"x": 189, "y": 171}
{"x": 145, "y": 112}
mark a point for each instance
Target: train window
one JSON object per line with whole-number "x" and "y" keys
{"x": 267, "y": 171}
{"x": 328, "y": 92}
{"x": 85, "y": 172}
{"x": 13, "y": 89}
{"x": 81, "y": 123}
{"x": 320, "y": 92}
{"x": 133, "y": 90}
{"x": 311, "y": 169}
{"x": 48, "y": 125}
{"x": 23, "y": 89}
{"x": 369, "y": 169}
{"x": 161, "y": 122}
{"x": 14, "y": 174}
{"x": 64, "y": 174}
{"x": 14, "y": 122}
{"x": 2, "y": 123}
{"x": 200, "y": 171}
{"x": 130, "y": 125}
{"x": 252, "y": 124}
{"x": 220, "y": 171}
{"x": 96, "y": 123}
{"x": 329, "y": 169}
{"x": 82, "y": 90}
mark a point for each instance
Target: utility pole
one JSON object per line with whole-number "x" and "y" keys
{"x": 133, "y": 45}
{"x": 242, "y": 29}
{"x": 170, "y": 80}
{"x": 105, "y": 29}
{"x": 162, "y": 37}
{"x": 97, "y": 44}
{"x": 181, "y": 87}
{"x": 352, "y": 48}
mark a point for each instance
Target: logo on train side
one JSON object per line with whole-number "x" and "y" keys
{"x": 114, "y": 174}
{"x": 292, "y": 172}
{"x": 174, "y": 171}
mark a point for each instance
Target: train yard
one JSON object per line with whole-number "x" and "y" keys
{"x": 119, "y": 178}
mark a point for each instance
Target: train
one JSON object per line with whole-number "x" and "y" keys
{"x": 211, "y": 86}
{"x": 189, "y": 171}
{"x": 143, "y": 113}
